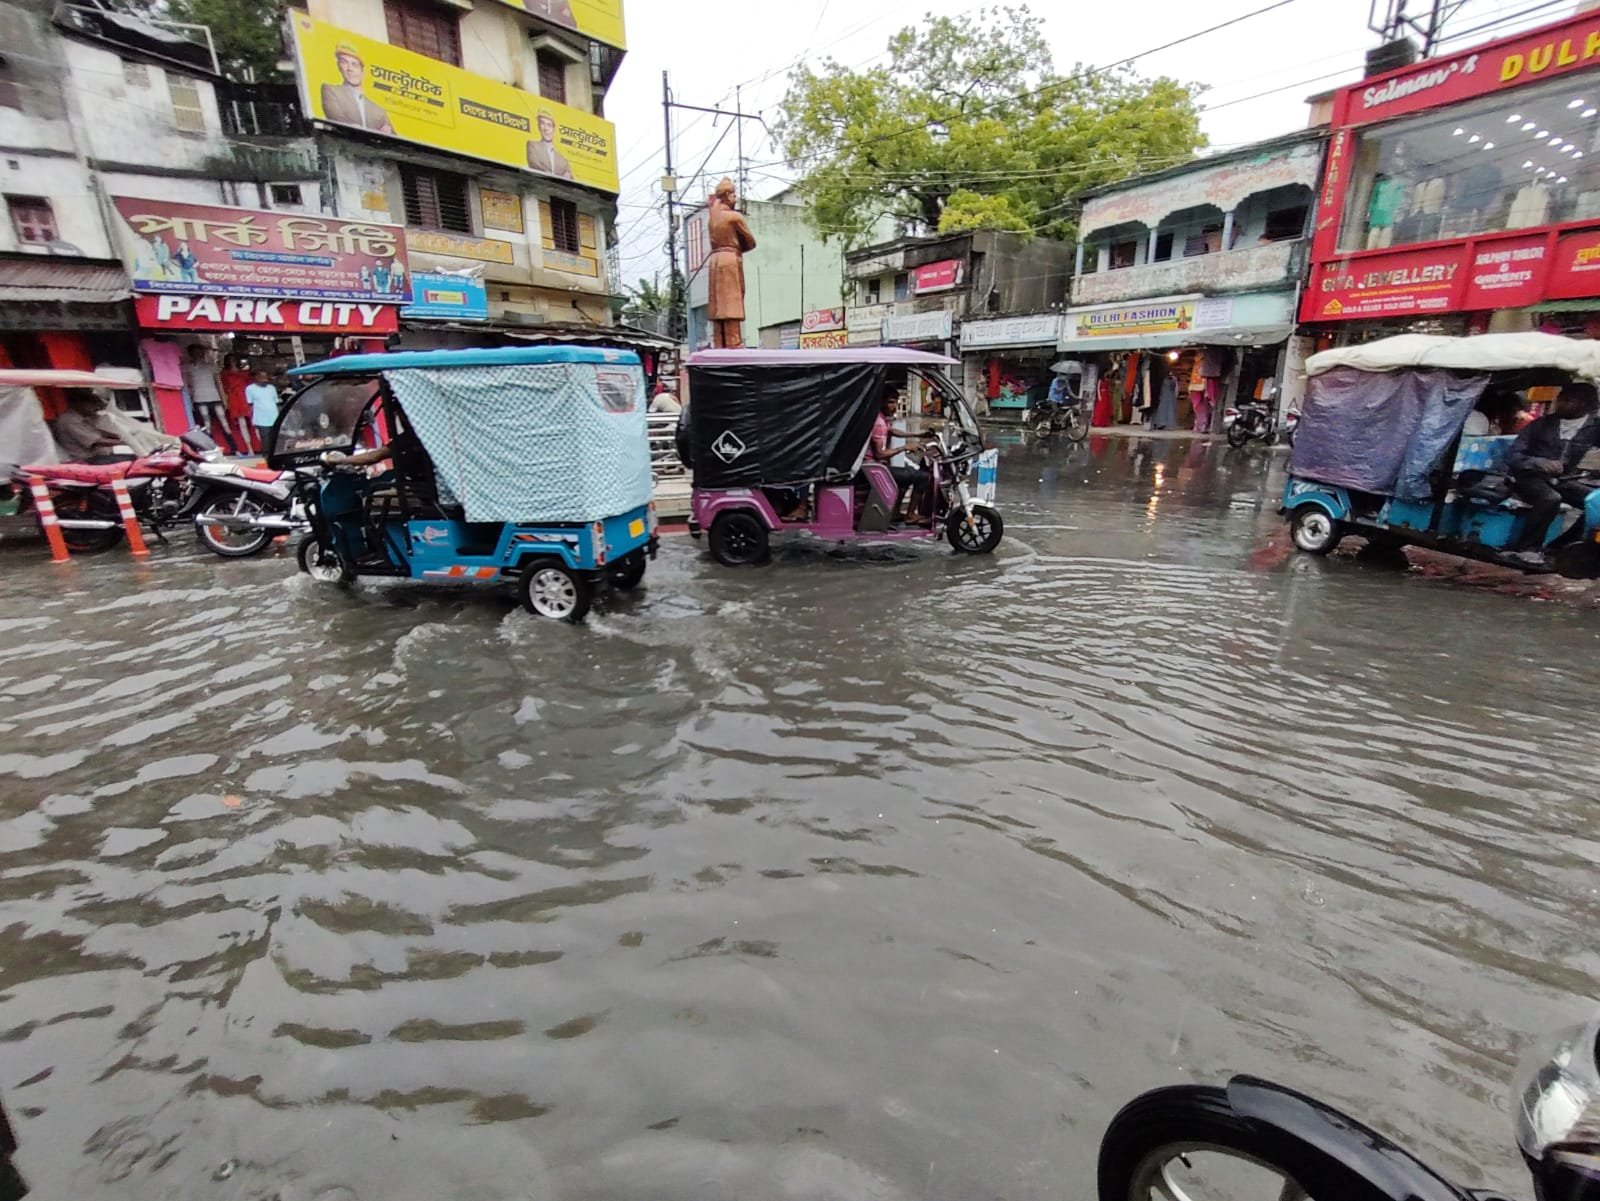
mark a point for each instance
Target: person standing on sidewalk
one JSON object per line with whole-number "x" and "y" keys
{"x": 263, "y": 398}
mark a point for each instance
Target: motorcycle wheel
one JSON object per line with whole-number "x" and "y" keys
{"x": 89, "y": 505}
{"x": 1043, "y": 427}
{"x": 321, "y": 564}
{"x": 1186, "y": 1140}
{"x": 1238, "y": 435}
{"x": 981, "y": 537}
{"x": 220, "y": 540}
{"x": 1077, "y": 427}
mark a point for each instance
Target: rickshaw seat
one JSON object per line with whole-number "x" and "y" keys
{"x": 1486, "y": 454}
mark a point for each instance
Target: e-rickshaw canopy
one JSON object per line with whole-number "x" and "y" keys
{"x": 772, "y": 418}
{"x": 522, "y": 433}
{"x": 1479, "y": 353}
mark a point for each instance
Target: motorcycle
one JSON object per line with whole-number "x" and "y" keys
{"x": 1257, "y": 419}
{"x": 1186, "y": 1140}
{"x": 245, "y": 508}
{"x": 1067, "y": 418}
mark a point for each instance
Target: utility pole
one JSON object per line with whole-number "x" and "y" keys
{"x": 669, "y": 185}
{"x": 738, "y": 135}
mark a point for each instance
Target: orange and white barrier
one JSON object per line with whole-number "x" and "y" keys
{"x": 45, "y": 509}
{"x": 130, "y": 519}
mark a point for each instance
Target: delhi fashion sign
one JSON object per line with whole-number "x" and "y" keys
{"x": 202, "y": 250}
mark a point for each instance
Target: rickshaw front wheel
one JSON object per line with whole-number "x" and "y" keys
{"x": 739, "y": 539}
{"x": 979, "y": 538}
{"x": 549, "y": 588}
{"x": 627, "y": 573}
{"x": 1314, "y": 530}
{"x": 321, "y": 563}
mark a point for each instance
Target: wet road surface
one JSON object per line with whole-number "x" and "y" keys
{"x": 870, "y": 874}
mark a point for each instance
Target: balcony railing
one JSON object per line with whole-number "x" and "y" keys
{"x": 1226, "y": 271}
{"x": 261, "y": 110}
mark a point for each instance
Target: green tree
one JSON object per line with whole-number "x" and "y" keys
{"x": 969, "y": 126}
{"x": 248, "y": 34}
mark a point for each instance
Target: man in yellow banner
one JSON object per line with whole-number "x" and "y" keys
{"x": 543, "y": 156}
{"x": 345, "y": 102}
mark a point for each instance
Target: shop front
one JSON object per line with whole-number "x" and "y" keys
{"x": 931, "y": 331}
{"x": 1006, "y": 360}
{"x": 1214, "y": 350}
{"x": 224, "y": 292}
{"x": 1462, "y": 194}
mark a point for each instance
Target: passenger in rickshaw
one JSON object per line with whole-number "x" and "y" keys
{"x": 916, "y": 480}
{"x": 1549, "y": 449}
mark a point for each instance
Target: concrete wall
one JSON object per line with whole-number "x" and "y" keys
{"x": 130, "y": 120}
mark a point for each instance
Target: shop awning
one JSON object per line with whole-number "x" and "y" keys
{"x": 45, "y": 278}
{"x": 1591, "y": 305}
{"x": 1264, "y": 335}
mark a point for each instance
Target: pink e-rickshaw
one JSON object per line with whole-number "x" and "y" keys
{"x": 778, "y": 442}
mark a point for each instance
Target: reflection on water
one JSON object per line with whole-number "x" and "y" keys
{"x": 870, "y": 874}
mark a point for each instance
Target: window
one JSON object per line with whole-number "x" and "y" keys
{"x": 1521, "y": 159}
{"x": 436, "y": 199}
{"x": 135, "y": 75}
{"x": 874, "y": 291}
{"x": 187, "y": 114}
{"x": 285, "y": 193}
{"x": 419, "y": 26}
{"x": 552, "y": 76}
{"x": 1285, "y": 224}
{"x": 902, "y": 286}
{"x": 10, "y": 93}
{"x": 32, "y": 218}
{"x": 564, "y": 225}
{"x": 1206, "y": 241}
{"x": 1124, "y": 254}
{"x": 1163, "y": 246}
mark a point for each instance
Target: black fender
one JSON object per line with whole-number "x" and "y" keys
{"x": 1332, "y": 1154}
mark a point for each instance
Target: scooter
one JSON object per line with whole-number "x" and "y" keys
{"x": 1186, "y": 1140}
{"x": 1256, "y": 419}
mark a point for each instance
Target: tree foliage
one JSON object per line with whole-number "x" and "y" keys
{"x": 969, "y": 126}
{"x": 248, "y": 33}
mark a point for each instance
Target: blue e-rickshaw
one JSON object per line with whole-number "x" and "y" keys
{"x": 1382, "y": 450}
{"x": 520, "y": 465}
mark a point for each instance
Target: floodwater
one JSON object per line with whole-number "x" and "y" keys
{"x": 868, "y": 874}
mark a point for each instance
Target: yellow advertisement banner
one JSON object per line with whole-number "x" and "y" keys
{"x": 350, "y": 80}
{"x": 599, "y": 19}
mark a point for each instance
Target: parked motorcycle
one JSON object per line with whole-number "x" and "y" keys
{"x": 244, "y": 508}
{"x": 1257, "y": 419}
{"x": 1257, "y": 1138}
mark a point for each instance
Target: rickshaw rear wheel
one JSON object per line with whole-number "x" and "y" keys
{"x": 549, "y": 588}
{"x": 981, "y": 537}
{"x": 627, "y": 574}
{"x": 1578, "y": 561}
{"x": 321, "y": 563}
{"x": 739, "y": 539}
{"x": 1314, "y": 530}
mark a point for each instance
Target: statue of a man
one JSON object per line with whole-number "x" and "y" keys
{"x": 730, "y": 238}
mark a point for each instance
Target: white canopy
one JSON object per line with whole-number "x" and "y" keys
{"x": 1481, "y": 352}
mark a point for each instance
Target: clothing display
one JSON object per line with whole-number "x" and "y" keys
{"x": 166, "y": 376}
{"x": 1166, "y": 416}
{"x": 1530, "y": 206}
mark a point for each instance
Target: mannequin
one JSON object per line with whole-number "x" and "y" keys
{"x": 1390, "y": 191}
{"x": 206, "y": 395}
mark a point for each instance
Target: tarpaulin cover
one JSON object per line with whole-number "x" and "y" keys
{"x": 1358, "y": 428}
{"x": 533, "y": 442}
{"x": 24, "y": 436}
{"x": 757, "y": 425}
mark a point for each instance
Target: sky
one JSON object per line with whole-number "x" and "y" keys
{"x": 1257, "y": 72}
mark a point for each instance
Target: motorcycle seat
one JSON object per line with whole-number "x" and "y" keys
{"x": 260, "y": 475}
{"x": 79, "y": 473}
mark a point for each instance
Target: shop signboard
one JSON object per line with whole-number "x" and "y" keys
{"x": 598, "y": 19}
{"x": 821, "y": 319}
{"x": 824, "y": 339}
{"x": 1508, "y": 273}
{"x": 938, "y": 277}
{"x": 918, "y": 327}
{"x": 237, "y": 314}
{"x": 1037, "y": 329}
{"x": 457, "y": 246}
{"x": 1120, "y": 321}
{"x": 350, "y": 80}
{"x": 440, "y": 296}
{"x": 204, "y": 250}
{"x": 1524, "y": 58}
{"x": 1214, "y": 312}
{"x": 1575, "y": 271}
{"x": 501, "y": 210}
{"x": 1405, "y": 282}
{"x": 865, "y": 324}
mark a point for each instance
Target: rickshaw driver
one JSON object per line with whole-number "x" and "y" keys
{"x": 912, "y": 478}
{"x": 1547, "y": 449}
{"x": 410, "y": 463}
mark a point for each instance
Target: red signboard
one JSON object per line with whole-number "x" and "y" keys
{"x": 1406, "y": 282}
{"x": 202, "y": 250}
{"x": 1575, "y": 271}
{"x": 226, "y": 315}
{"x": 1507, "y": 273}
{"x": 821, "y": 319}
{"x": 1524, "y": 58}
{"x": 937, "y": 277}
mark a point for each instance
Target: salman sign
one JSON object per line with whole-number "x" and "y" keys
{"x": 202, "y": 250}
{"x": 350, "y": 80}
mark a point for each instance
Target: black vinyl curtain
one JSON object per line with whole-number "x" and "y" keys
{"x": 773, "y": 426}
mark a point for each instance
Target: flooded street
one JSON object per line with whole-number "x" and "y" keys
{"x": 869, "y": 874}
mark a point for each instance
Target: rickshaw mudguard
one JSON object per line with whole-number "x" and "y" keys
{"x": 1591, "y": 513}
{"x": 1297, "y": 493}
